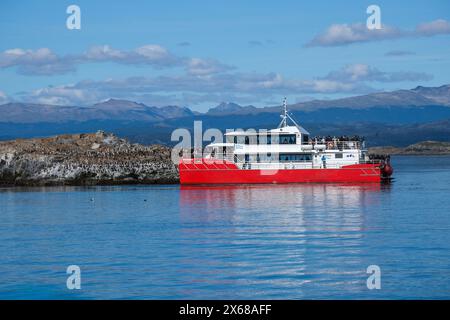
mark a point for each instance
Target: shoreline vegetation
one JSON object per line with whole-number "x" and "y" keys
{"x": 104, "y": 159}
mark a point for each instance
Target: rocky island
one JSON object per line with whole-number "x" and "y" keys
{"x": 84, "y": 159}
{"x": 420, "y": 148}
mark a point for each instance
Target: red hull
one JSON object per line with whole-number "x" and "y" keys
{"x": 205, "y": 172}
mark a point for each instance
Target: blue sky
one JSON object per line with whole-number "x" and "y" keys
{"x": 199, "y": 53}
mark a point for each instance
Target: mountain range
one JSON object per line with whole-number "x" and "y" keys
{"x": 422, "y": 112}
{"x": 114, "y": 109}
{"x": 111, "y": 109}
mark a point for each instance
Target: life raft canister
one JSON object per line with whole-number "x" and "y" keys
{"x": 386, "y": 169}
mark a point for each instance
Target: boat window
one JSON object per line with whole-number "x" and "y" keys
{"x": 235, "y": 139}
{"x": 247, "y": 140}
{"x": 274, "y": 139}
{"x": 338, "y": 155}
{"x": 287, "y": 139}
{"x": 295, "y": 157}
{"x": 305, "y": 138}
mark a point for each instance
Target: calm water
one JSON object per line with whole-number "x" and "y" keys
{"x": 256, "y": 242}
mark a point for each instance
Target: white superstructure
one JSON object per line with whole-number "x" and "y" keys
{"x": 287, "y": 147}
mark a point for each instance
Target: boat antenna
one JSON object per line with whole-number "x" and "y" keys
{"x": 284, "y": 115}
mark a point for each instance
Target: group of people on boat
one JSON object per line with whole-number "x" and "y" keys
{"x": 341, "y": 143}
{"x": 323, "y": 139}
{"x": 384, "y": 157}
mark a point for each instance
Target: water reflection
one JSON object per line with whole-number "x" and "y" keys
{"x": 226, "y": 200}
{"x": 289, "y": 238}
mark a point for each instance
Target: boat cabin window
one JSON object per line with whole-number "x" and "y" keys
{"x": 238, "y": 139}
{"x": 241, "y": 139}
{"x": 338, "y": 155}
{"x": 268, "y": 139}
{"x": 273, "y": 139}
{"x": 293, "y": 157}
{"x": 287, "y": 139}
{"x": 305, "y": 138}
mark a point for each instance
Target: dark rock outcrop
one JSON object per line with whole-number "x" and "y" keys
{"x": 84, "y": 159}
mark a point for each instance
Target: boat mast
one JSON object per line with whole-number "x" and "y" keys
{"x": 284, "y": 115}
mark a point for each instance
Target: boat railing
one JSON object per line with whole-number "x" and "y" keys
{"x": 310, "y": 145}
{"x": 266, "y": 165}
{"x": 371, "y": 161}
{"x": 276, "y": 165}
{"x": 269, "y": 164}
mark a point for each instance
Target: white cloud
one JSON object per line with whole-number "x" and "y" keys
{"x": 194, "y": 86}
{"x": 44, "y": 62}
{"x": 345, "y": 34}
{"x": 189, "y": 88}
{"x": 104, "y": 52}
{"x": 39, "y": 62}
{"x": 432, "y": 28}
{"x": 63, "y": 95}
{"x": 153, "y": 52}
{"x": 202, "y": 67}
{"x": 364, "y": 72}
{"x": 150, "y": 54}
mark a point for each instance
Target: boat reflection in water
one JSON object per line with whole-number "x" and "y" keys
{"x": 206, "y": 201}
{"x": 302, "y": 237}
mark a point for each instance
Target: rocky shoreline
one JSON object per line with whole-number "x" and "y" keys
{"x": 424, "y": 148}
{"x": 84, "y": 159}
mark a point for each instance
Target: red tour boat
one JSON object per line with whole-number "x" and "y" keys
{"x": 286, "y": 154}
